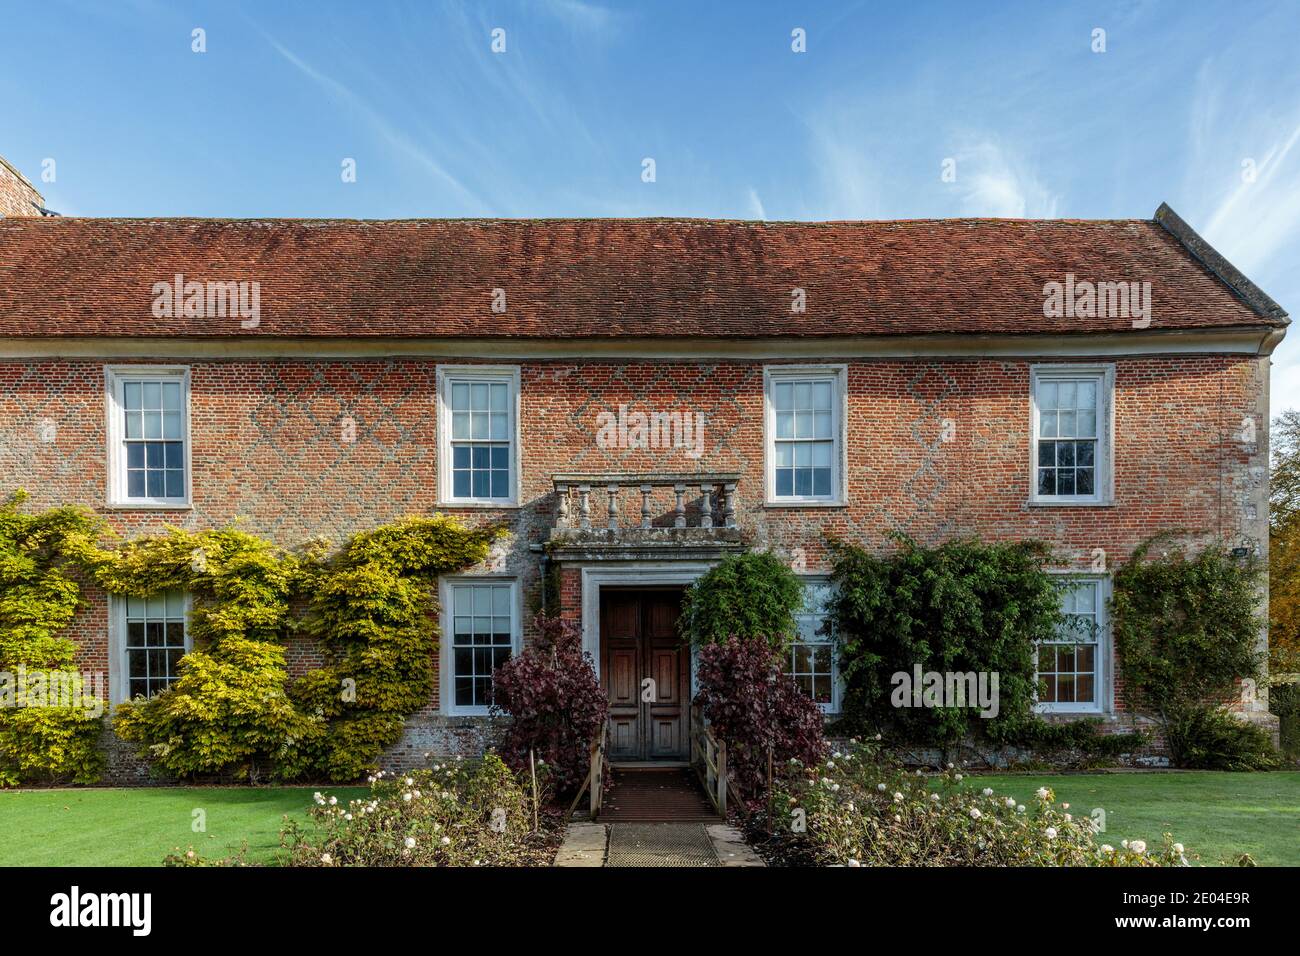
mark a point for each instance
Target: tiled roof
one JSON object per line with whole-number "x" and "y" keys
{"x": 603, "y": 278}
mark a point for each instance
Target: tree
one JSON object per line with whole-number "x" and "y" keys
{"x": 1284, "y": 545}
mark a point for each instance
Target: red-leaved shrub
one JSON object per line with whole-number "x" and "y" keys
{"x": 554, "y": 698}
{"x": 755, "y": 707}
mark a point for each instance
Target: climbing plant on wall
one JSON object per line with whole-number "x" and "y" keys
{"x": 42, "y": 740}
{"x": 234, "y": 707}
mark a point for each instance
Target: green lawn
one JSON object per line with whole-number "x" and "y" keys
{"x": 1216, "y": 816}
{"x": 138, "y": 827}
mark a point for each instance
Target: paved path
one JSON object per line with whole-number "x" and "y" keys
{"x": 655, "y": 844}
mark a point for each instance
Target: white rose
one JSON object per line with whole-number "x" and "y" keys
{"x": 1138, "y": 846}
{"x": 410, "y": 843}
{"x": 975, "y": 813}
{"x": 1041, "y": 793}
{"x": 1051, "y": 833}
{"x": 987, "y": 791}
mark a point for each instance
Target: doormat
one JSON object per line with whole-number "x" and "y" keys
{"x": 660, "y": 844}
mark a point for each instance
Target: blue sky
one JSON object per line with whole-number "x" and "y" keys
{"x": 738, "y": 124}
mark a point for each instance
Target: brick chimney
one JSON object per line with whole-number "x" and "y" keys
{"x": 18, "y": 197}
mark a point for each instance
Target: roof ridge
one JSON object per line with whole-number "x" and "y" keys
{"x": 1223, "y": 270}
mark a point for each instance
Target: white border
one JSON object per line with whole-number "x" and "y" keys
{"x": 446, "y": 668}
{"x": 839, "y": 428}
{"x": 1105, "y": 471}
{"x": 115, "y": 492}
{"x": 445, "y": 375}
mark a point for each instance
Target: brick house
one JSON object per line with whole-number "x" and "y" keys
{"x": 636, "y": 398}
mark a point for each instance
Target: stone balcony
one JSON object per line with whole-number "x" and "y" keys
{"x": 644, "y": 516}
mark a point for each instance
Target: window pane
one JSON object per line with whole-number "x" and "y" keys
{"x": 134, "y": 427}
{"x": 478, "y": 425}
{"x": 135, "y": 484}
{"x": 175, "y": 484}
{"x": 1046, "y": 481}
{"x": 460, "y": 396}
{"x": 172, "y": 425}
{"x": 785, "y": 482}
{"x": 823, "y": 425}
{"x": 478, "y": 396}
{"x": 152, "y": 424}
{"x": 152, "y": 396}
{"x": 1047, "y": 424}
{"x": 460, "y": 424}
{"x": 821, "y": 398}
{"x": 131, "y": 395}
{"x": 821, "y": 481}
{"x": 785, "y": 424}
{"x": 155, "y": 486}
{"x": 460, "y": 484}
{"x": 783, "y": 396}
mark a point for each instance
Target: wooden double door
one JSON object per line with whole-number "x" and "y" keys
{"x": 646, "y": 670}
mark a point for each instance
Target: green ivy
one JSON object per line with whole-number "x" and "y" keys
{"x": 1186, "y": 630}
{"x": 38, "y": 599}
{"x": 963, "y": 606}
{"x": 748, "y": 595}
{"x": 234, "y": 707}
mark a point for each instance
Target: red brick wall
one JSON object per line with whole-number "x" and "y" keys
{"x": 268, "y": 450}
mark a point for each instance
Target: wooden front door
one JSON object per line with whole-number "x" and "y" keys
{"x": 645, "y": 669}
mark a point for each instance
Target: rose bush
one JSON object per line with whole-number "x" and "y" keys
{"x": 461, "y": 813}
{"x": 857, "y": 809}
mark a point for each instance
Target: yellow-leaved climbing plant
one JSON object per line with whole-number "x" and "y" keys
{"x": 234, "y": 709}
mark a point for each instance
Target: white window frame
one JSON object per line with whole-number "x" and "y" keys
{"x": 839, "y": 433}
{"x": 821, "y": 580}
{"x": 446, "y": 375}
{"x": 115, "y": 377}
{"x": 119, "y": 667}
{"x": 1103, "y": 470}
{"x": 446, "y": 657}
{"x": 1104, "y": 696}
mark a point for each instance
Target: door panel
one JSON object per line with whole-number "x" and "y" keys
{"x": 639, "y": 640}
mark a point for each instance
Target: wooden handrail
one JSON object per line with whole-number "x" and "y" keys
{"x": 597, "y": 773}
{"x": 713, "y": 766}
{"x": 595, "y": 782}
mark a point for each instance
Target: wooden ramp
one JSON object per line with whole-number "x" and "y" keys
{"x": 655, "y": 795}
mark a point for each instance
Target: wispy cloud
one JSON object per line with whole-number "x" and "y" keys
{"x": 756, "y": 209}
{"x": 381, "y": 125}
{"x": 994, "y": 181}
